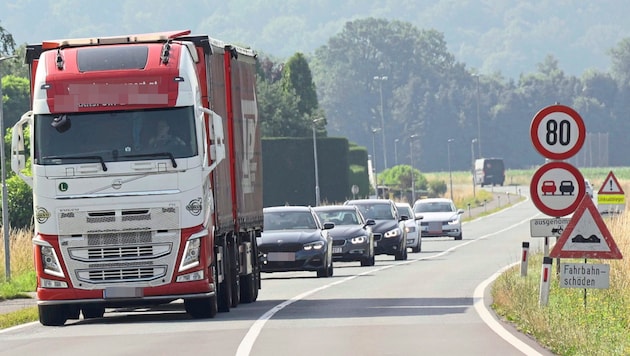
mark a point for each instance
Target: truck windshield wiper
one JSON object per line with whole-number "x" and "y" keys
{"x": 98, "y": 158}
{"x": 157, "y": 154}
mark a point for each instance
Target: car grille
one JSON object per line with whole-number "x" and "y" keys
{"x": 339, "y": 242}
{"x": 377, "y": 237}
{"x": 283, "y": 247}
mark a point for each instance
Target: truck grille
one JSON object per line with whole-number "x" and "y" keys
{"x": 131, "y": 274}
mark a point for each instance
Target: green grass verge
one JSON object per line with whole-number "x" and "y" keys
{"x": 19, "y": 317}
{"x": 567, "y": 325}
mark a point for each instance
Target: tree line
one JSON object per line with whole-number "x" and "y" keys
{"x": 397, "y": 90}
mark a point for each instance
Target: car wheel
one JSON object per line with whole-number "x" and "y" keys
{"x": 368, "y": 261}
{"x": 401, "y": 255}
{"x": 459, "y": 237}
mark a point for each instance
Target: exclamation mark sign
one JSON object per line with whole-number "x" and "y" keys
{"x": 611, "y": 188}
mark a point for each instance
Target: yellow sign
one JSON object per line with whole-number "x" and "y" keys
{"x": 611, "y": 199}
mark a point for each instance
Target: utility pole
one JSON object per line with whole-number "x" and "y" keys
{"x": 380, "y": 80}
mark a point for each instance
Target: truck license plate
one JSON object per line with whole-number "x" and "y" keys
{"x": 123, "y": 292}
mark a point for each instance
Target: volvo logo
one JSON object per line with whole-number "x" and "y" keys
{"x": 41, "y": 214}
{"x": 117, "y": 184}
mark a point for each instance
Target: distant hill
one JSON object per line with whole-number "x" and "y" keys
{"x": 507, "y": 36}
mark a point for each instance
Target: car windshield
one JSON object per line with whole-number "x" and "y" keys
{"x": 377, "y": 211}
{"x": 433, "y": 207}
{"x": 339, "y": 217}
{"x": 288, "y": 220}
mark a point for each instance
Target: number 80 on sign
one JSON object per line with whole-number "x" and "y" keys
{"x": 558, "y": 132}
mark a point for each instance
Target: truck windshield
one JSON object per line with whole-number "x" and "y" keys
{"x": 114, "y": 136}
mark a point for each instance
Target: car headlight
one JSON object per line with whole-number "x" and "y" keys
{"x": 393, "y": 233}
{"x": 317, "y": 245}
{"x": 410, "y": 229}
{"x": 454, "y": 221}
{"x": 358, "y": 240}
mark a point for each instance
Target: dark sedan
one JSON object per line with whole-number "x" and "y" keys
{"x": 390, "y": 236}
{"x": 352, "y": 235}
{"x": 294, "y": 239}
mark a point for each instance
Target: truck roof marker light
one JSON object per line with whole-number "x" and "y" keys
{"x": 60, "y": 60}
{"x": 166, "y": 50}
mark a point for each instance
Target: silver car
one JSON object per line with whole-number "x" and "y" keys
{"x": 439, "y": 217}
{"x": 414, "y": 238}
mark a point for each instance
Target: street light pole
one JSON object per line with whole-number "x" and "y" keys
{"x": 380, "y": 80}
{"x": 5, "y": 204}
{"x": 317, "y": 200}
{"x": 396, "y": 151}
{"x": 450, "y": 173}
{"x": 478, "y": 119}
{"x": 413, "y": 175}
{"x": 472, "y": 153}
{"x": 374, "y": 131}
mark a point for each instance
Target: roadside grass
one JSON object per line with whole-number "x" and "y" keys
{"x": 575, "y": 321}
{"x": 23, "y": 278}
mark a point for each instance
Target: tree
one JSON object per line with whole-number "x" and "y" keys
{"x": 16, "y": 97}
{"x": 296, "y": 77}
{"x": 620, "y": 58}
{"x": 7, "y": 44}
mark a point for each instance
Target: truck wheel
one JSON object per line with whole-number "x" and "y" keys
{"x": 224, "y": 289}
{"x": 249, "y": 288}
{"x": 92, "y": 311}
{"x": 52, "y": 315}
{"x": 202, "y": 308}
{"x": 236, "y": 280}
{"x": 73, "y": 311}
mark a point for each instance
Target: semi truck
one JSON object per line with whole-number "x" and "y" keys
{"x": 120, "y": 221}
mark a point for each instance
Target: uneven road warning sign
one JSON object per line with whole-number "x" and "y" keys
{"x": 586, "y": 236}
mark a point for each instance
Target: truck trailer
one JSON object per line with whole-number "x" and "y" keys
{"x": 145, "y": 164}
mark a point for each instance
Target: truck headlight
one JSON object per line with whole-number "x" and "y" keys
{"x": 192, "y": 251}
{"x": 50, "y": 262}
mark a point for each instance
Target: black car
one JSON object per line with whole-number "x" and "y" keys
{"x": 390, "y": 236}
{"x": 352, "y": 235}
{"x": 294, "y": 239}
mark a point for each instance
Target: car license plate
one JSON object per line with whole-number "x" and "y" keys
{"x": 337, "y": 249}
{"x": 435, "y": 227}
{"x": 281, "y": 256}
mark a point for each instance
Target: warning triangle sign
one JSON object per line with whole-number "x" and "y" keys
{"x": 611, "y": 185}
{"x": 586, "y": 236}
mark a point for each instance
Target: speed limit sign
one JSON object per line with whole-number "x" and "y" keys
{"x": 557, "y": 132}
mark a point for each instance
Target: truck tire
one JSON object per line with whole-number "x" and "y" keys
{"x": 92, "y": 311}
{"x": 249, "y": 288}
{"x": 236, "y": 280}
{"x": 202, "y": 308}
{"x": 52, "y": 315}
{"x": 224, "y": 289}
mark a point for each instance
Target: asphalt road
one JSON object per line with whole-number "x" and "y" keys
{"x": 435, "y": 303}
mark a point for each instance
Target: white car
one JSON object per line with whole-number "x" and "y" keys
{"x": 589, "y": 188}
{"x": 414, "y": 239}
{"x": 439, "y": 217}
